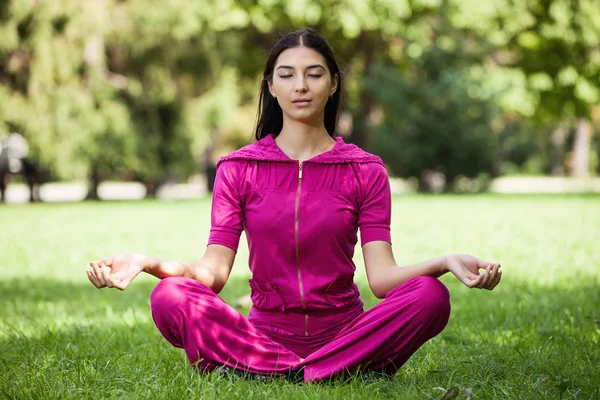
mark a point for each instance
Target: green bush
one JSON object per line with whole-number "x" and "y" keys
{"x": 433, "y": 123}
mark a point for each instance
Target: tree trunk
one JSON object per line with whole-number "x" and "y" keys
{"x": 581, "y": 148}
{"x": 151, "y": 186}
{"x": 360, "y": 135}
{"x": 558, "y": 139}
{"x": 2, "y": 188}
{"x": 95, "y": 182}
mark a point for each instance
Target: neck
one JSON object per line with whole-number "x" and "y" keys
{"x": 302, "y": 141}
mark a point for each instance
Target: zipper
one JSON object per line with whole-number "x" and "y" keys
{"x": 298, "y": 248}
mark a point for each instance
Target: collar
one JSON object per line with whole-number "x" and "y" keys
{"x": 267, "y": 149}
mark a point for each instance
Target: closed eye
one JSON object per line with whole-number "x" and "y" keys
{"x": 311, "y": 75}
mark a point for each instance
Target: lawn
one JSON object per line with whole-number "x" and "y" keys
{"x": 537, "y": 335}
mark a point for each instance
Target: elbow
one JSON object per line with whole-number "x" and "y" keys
{"x": 217, "y": 287}
{"x": 218, "y": 279}
{"x": 209, "y": 278}
{"x": 378, "y": 290}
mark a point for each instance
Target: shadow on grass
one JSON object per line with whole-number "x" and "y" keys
{"x": 513, "y": 306}
{"x": 518, "y": 337}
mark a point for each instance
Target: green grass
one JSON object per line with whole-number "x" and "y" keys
{"x": 536, "y": 336}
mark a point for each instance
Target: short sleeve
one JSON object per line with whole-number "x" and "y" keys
{"x": 375, "y": 212}
{"x": 227, "y": 215}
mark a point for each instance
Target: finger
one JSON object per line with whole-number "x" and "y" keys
{"x": 492, "y": 272}
{"x": 118, "y": 284}
{"x": 495, "y": 270}
{"x": 99, "y": 262}
{"x": 465, "y": 277}
{"x": 89, "y": 275}
{"x": 93, "y": 278}
{"x": 482, "y": 264}
{"x": 105, "y": 275}
{"x": 487, "y": 278}
{"x": 484, "y": 277}
{"x": 473, "y": 282}
{"x": 496, "y": 279}
{"x": 98, "y": 274}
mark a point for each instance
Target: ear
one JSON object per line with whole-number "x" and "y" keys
{"x": 334, "y": 85}
{"x": 271, "y": 89}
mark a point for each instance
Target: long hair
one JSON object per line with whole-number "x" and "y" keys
{"x": 270, "y": 116}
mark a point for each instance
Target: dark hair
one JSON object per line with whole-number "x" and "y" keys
{"x": 270, "y": 116}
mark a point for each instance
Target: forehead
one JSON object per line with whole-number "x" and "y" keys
{"x": 300, "y": 58}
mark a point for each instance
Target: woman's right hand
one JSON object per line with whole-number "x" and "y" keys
{"x": 116, "y": 271}
{"x": 466, "y": 268}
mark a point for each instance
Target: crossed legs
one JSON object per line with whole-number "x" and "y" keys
{"x": 212, "y": 333}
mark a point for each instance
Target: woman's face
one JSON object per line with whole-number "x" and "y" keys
{"x": 302, "y": 84}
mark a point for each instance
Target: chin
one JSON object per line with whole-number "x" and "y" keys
{"x": 304, "y": 116}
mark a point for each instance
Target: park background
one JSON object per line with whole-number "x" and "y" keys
{"x": 466, "y": 98}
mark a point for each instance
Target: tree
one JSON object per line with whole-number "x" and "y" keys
{"x": 554, "y": 43}
{"x": 432, "y": 123}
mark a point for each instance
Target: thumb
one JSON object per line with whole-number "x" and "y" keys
{"x": 482, "y": 264}
{"x": 117, "y": 283}
{"x": 121, "y": 279}
{"x": 471, "y": 280}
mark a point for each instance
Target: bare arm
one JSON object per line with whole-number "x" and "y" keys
{"x": 213, "y": 269}
{"x": 118, "y": 271}
{"x": 384, "y": 274}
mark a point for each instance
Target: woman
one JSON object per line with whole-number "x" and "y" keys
{"x": 301, "y": 196}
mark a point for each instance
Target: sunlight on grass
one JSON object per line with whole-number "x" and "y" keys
{"x": 537, "y": 335}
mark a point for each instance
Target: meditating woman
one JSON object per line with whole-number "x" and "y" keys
{"x": 301, "y": 195}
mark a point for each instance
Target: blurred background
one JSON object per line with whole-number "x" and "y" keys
{"x": 132, "y": 99}
{"x": 139, "y": 98}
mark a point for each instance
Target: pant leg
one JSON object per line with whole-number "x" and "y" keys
{"x": 385, "y": 336}
{"x": 191, "y": 316}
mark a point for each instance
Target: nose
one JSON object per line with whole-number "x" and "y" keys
{"x": 301, "y": 84}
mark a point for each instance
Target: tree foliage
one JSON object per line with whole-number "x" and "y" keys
{"x": 433, "y": 121}
{"x": 131, "y": 89}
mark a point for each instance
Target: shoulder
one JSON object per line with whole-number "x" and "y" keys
{"x": 372, "y": 173}
{"x": 348, "y": 153}
{"x": 358, "y": 155}
{"x": 235, "y": 157}
{"x": 261, "y": 150}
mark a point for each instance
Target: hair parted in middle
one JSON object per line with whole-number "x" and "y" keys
{"x": 270, "y": 115}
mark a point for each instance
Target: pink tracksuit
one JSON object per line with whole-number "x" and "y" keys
{"x": 301, "y": 222}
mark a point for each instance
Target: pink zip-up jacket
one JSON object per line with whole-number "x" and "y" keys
{"x": 301, "y": 222}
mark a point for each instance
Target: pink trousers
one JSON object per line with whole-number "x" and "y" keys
{"x": 191, "y": 316}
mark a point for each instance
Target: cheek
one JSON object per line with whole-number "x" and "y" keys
{"x": 324, "y": 89}
{"x": 323, "y": 94}
{"x": 281, "y": 86}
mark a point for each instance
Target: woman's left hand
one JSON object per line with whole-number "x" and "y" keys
{"x": 466, "y": 269}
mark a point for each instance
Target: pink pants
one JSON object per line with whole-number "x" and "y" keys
{"x": 213, "y": 334}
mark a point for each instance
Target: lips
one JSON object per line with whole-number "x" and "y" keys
{"x": 301, "y": 101}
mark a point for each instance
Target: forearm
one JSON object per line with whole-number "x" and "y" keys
{"x": 199, "y": 271}
{"x": 386, "y": 278}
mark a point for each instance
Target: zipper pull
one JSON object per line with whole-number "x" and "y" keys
{"x": 300, "y": 171}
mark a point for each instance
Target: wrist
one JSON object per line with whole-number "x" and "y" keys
{"x": 149, "y": 263}
{"x": 445, "y": 263}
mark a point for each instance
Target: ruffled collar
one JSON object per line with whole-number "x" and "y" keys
{"x": 267, "y": 149}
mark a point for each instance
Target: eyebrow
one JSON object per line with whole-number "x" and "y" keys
{"x": 309, "y": 67}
